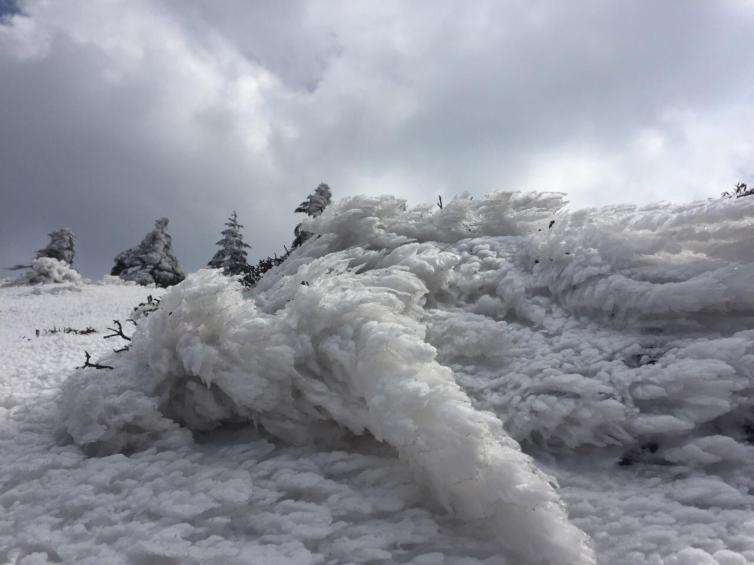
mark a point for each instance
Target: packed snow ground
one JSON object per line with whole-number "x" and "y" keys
{"x": 616, "y": 345}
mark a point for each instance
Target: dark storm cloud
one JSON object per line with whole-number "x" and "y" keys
{"x": 114, "y": 114}
{"x": 9, "y": 8}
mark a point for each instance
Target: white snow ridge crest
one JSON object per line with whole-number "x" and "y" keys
{"x": 397, "y": 307}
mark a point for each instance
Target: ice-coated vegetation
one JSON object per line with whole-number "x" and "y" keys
{"x": 231, "y": 257}
{"x": 455, "y": 335}
{"x": 313, "y": 206}
{"x": 48, "y": 270}
{"x": 53, "y": 263}
{"x": 392, "y": 366}
{"x": 152, "y": 261}
{"x": 62, "y": 246}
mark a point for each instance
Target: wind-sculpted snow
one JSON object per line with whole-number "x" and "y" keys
{"x": 347, "y": 350}
{"x": 452, "y": 335}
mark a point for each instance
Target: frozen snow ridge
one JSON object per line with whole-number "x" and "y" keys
{"x": 453, "y": 335}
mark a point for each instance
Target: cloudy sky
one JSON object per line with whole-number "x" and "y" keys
{"x": 115, "y": 112}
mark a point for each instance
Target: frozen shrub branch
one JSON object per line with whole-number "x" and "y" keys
{"x": 88, "y": 364}
{"x": 88, "y": 330}
{"x": 117, "y": 331}
{"x": 741, "y": 189}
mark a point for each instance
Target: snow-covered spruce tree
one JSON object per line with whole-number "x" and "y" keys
{"x": 61, "y": 247}
{"x": 231, "y": 257}
{"x": 152, "y": 261}
{"x": 313, "y": 206}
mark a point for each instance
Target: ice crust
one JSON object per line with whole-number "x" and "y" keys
{"x": 456, "y": 335}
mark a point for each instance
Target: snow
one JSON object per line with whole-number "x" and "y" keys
{"x": 475, "y": 384}
{"x": 44, "y": 270}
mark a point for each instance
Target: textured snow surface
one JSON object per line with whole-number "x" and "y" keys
{"x": 367, "y": 401}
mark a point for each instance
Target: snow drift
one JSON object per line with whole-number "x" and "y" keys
{"x": 455, "y": 334}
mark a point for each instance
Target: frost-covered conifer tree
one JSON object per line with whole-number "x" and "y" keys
{"x": 152, "y": 261}
{"x": 53, "y": 263}
{"x": 231, "y": 257}
{"x": 313, "y": 206}
{"x": 61, "y": 247}
{"x": 316, "y": 202}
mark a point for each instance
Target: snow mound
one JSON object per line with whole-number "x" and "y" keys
{"x": 46, "y": 270}
{"x": 453, "y": 335}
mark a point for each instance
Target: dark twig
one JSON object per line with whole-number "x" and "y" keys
{"x": 146, "y": 308}
{"x": 88, "y": 330}
{"x": 117, "y": 332}
{"x": 439, "y": 202}
{"x": 89, "y": 364}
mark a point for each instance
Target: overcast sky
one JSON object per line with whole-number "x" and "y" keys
{"x": 115, "y": 112}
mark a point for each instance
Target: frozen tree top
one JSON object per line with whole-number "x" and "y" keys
{"x": 316, "y": 202}
{"x": 60, "y": 247}
{"x": 53, "y": 263}
{"x": 152, "y": 262}
{"x": 313, "y": 206}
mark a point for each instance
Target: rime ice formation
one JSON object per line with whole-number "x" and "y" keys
{"x": 53, "y": 263}
{"x": 61, "y": 247}
{"x": 454, "y": 335}
{"x": 313, "y": 206}
{"x": 152, "y": 261}
{"x": 48, "y": 270}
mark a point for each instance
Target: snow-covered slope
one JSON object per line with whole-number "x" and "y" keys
{"x": 615, "y": 345}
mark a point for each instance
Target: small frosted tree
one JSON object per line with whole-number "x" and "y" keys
{"x": 313, "y": 206}
{"x": 53, "y": 263}
{"x": 231, "y": 257}
{"x": 152, "y": 261}
{"x": 61, "y": 247}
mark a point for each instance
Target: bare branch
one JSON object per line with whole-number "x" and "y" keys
{"x": 89, "y": 364}
{"x": 117, "y": 332}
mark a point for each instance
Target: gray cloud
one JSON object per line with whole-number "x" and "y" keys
{"x": 114, "y": 114}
